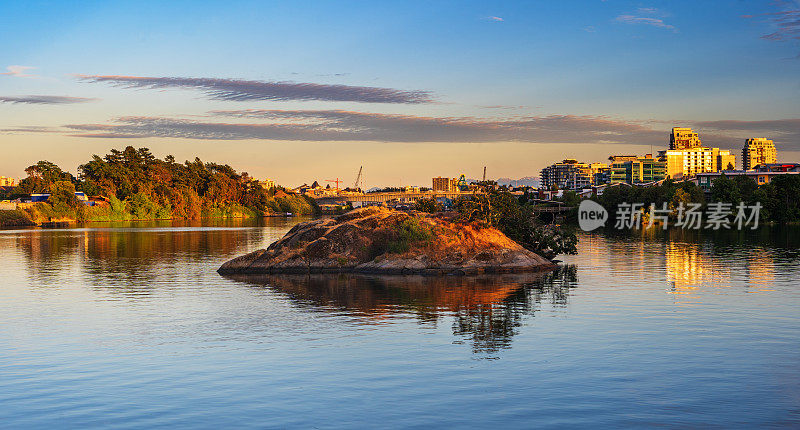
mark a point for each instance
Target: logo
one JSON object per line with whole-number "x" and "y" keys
{"x": 591, "y": 215}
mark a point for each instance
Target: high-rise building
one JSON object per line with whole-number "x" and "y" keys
{"x": 639, "y": 170}
{"x": 689, "y": 162}
{"x": 601, "y": 173}
{"x": 568, "y": 174}
{"x": 686, "y": 157}
{"x": 758, "y": 150}
{"x": 683, "y": 138}
{"x": 444, "y": 184}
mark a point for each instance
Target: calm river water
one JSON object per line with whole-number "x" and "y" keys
{"x": 131, "y": 327}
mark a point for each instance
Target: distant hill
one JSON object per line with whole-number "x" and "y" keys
{"x": 527, "y": 181}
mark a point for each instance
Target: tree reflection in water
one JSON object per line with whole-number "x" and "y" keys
{"x": 487, "y": 310}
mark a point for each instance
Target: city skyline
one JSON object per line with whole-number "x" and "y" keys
{"x": 315, "y": 93}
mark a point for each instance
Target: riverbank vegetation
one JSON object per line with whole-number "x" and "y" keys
{"x": 14, "y": 218}
{"x": 135, "y": 185}
{"x": 778, "y": 198}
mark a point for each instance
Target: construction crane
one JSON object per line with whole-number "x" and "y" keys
{"x": 337, "y": 181}
{"x": 357, "y": 184}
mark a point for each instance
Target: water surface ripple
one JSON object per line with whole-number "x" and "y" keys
{"x": 129, "y": 326}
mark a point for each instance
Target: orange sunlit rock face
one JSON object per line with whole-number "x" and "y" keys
{"x": 378, "y": 240}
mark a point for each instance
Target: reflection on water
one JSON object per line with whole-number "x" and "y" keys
{"x": 129, "y": 325}
{"x": 690, "y": 261}
{"x": 487, "y": 310}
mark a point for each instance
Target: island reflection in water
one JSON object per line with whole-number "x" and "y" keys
{"x": 131, "y": 326}
{"x": 487, "y": 310}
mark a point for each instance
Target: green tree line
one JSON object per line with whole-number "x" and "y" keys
{"x": 137, "y": 185}
{"x": 779, "y": 198}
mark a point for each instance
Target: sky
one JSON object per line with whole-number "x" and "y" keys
{"x": 298, "y": 92}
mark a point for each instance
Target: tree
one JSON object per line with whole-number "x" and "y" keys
{"x": 62, "y": 198}
{"x": 501, "y": 209}
{"x": 430, "y": 205}
{"x": 725, "y": 190}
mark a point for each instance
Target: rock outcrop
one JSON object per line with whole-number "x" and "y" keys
{"x": 378, "y": 240}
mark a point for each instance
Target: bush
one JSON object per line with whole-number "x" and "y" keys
{"x": 410, "y": 232}
{"x": 14, "y": 218}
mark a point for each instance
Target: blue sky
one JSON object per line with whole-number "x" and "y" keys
{"x": 510, "y": 85}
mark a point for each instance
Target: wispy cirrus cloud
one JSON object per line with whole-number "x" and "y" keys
{"x": 646, "y": 16}
{"x": 19, "y": 71}
{"x": 494, "y": 19}
{"x": 243, "y": 90}
{"x": 30, "y": 129}
{"x": 340, "y": 125}
{"x": 787, "y": 24}
{"x": 44, "y": 100}
{"x": 655, "y": 22}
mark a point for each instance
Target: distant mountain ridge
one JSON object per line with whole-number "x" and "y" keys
{"x": 527, "y": 181}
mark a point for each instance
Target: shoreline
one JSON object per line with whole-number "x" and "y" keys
{"x": 10, "y": 219}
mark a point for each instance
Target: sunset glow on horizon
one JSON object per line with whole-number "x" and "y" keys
{"x": 313, "y": 93}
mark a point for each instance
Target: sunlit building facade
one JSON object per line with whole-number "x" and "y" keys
{"x": 639, "y": 170}
{"x": 569, "y": 174}
{"x": 758, "y": 150}
{"x": 444, "y": 184}
{"x": 683, "y": 138}
{"x": 726, "y": 160}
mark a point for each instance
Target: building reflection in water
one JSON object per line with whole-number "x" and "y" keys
{"x": 692, "y": 262}
{"x": 687, "y": 268}
{"x": 486, "y": 310}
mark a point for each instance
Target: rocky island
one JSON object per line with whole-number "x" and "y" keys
{"x": 384, "y": 241}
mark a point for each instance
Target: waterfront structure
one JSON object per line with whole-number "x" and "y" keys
{"x": 568, "y": 174}
{"x": 638, "y": 170}
{"x": 758, "y": 150}
{"x": 7, "y": 182}
{"x": 762, "y": 174}
{"x": 683, "y": 138}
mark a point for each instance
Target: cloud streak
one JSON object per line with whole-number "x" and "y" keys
{"x": 654, "y": 22}
{"x": 340, "y": 125}
{"x": 787, "y": 23}
{"x": 784, "y": 131}
{"x": 242, "y": 90}
{"x": 44, "y": 100}
{"x": 19, "y": 71}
